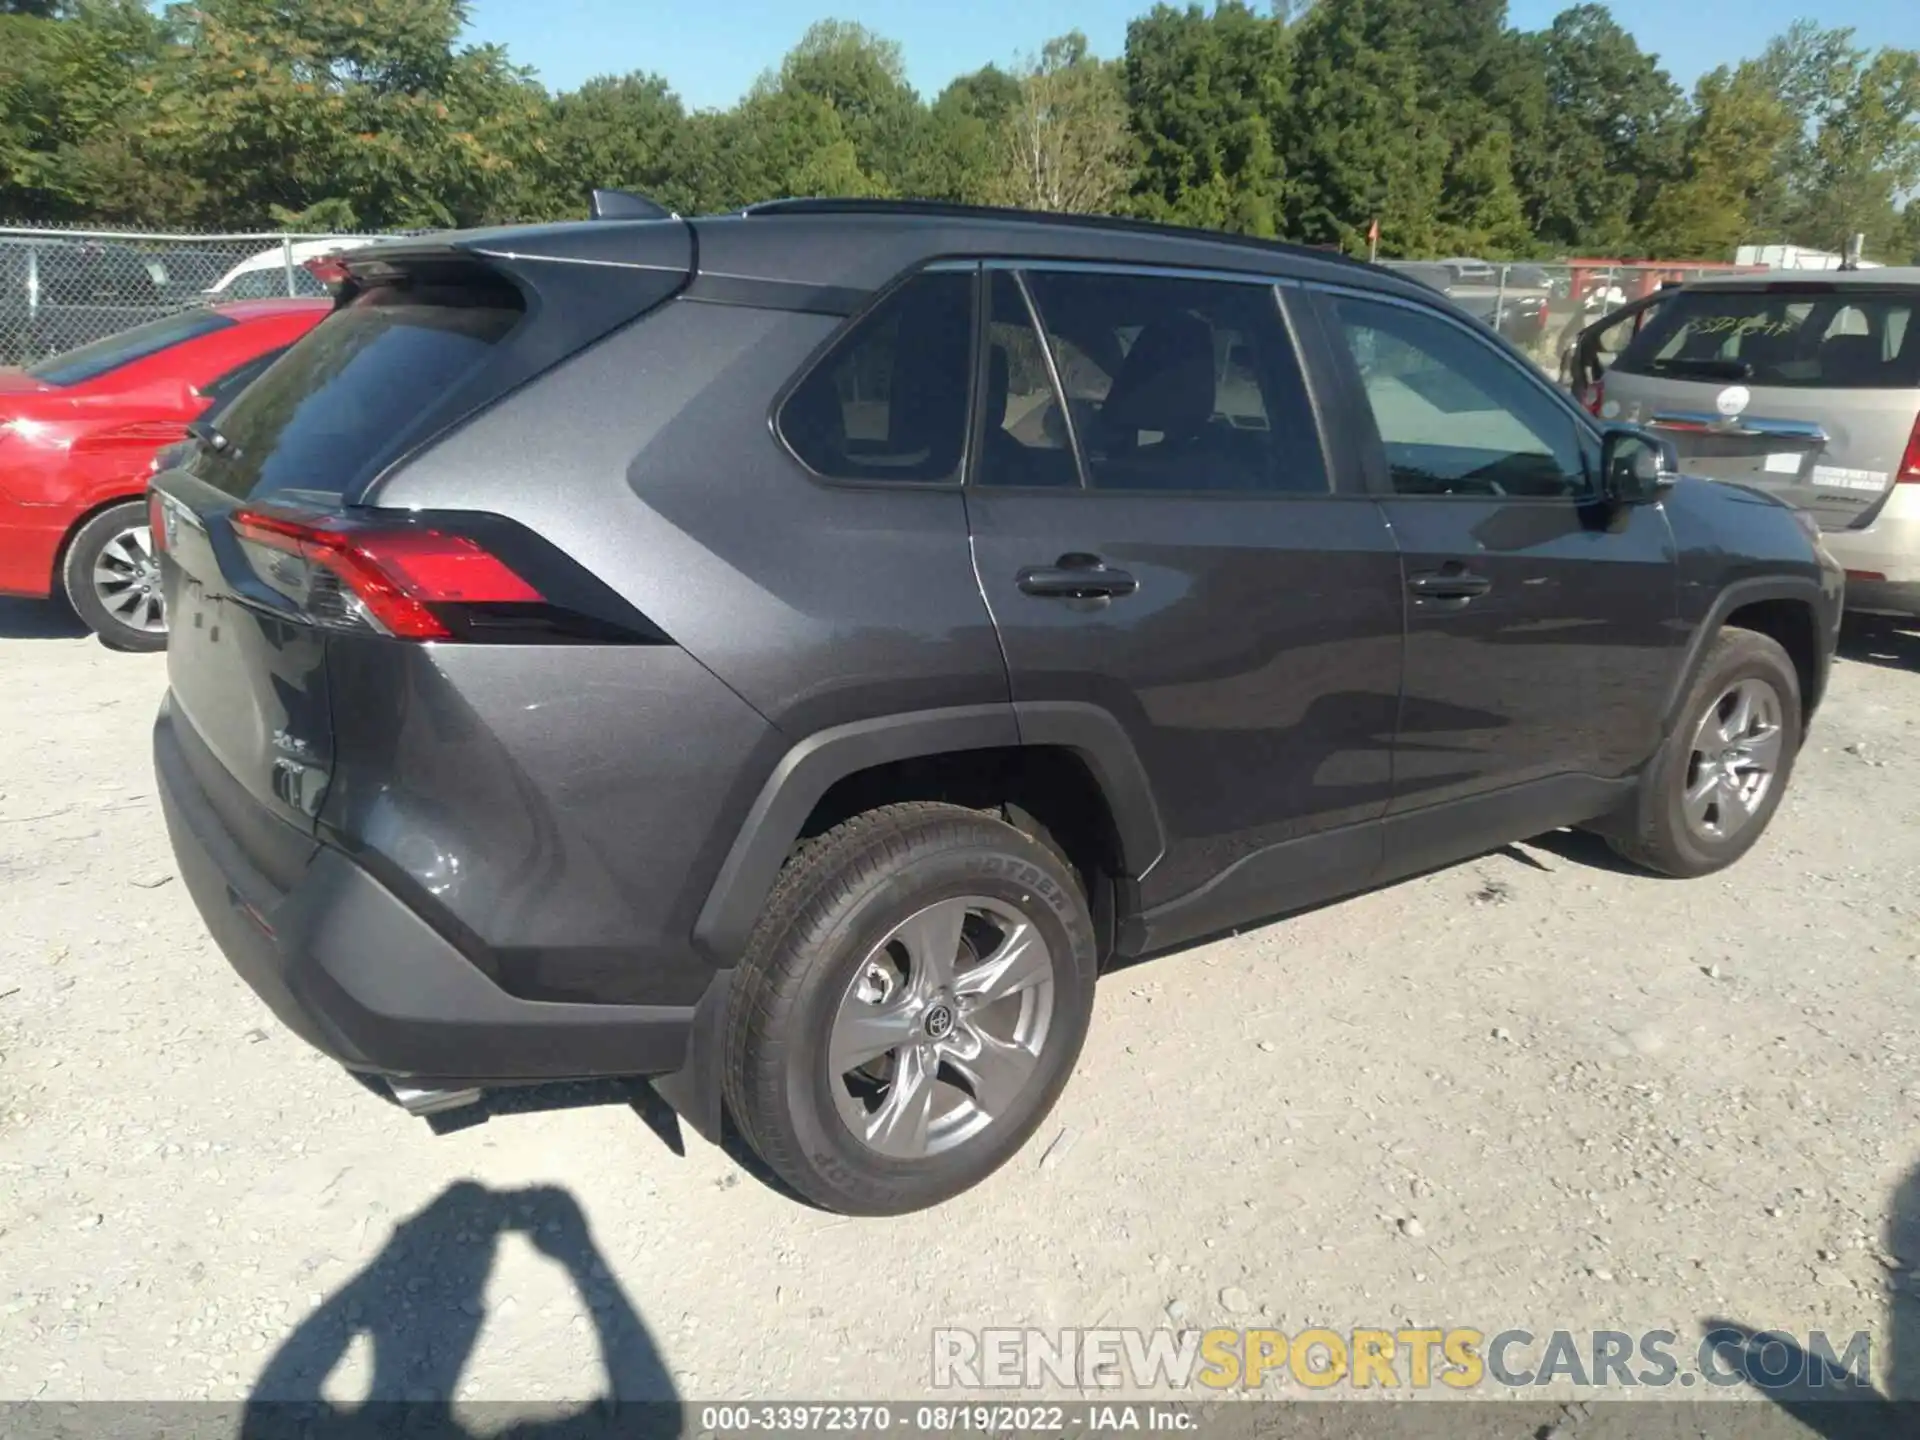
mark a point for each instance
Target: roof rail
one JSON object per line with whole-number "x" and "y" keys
{"x": 625, "y": 205}
{"x": 1120, "y": 223}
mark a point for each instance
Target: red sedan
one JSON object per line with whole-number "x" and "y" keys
{"x": 78, "y": 433}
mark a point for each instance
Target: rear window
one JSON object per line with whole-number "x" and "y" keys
{"x": 225, "y": 390}
{"x": 1812, "y": 337}
{"x": 102, "y": 357}
{"x": 353, "y": 393}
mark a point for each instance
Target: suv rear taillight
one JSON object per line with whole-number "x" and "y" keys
{"x": 383, "y": 579}
{"x": 1909, "y": 471}
{"x": 1594, "y": 396}
{"x": 156, "y": 520}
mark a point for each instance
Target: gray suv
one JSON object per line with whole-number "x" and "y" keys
{"x": 790, "y": 653}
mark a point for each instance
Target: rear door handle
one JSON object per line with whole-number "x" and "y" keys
{"x": 1449, "y": 584}
{"x": 1076, "y": 577}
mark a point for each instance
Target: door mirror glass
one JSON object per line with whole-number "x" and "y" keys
{"x": 1638, "y": 466}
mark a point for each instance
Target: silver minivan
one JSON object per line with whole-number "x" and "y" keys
{"x": 1804, "y": 385}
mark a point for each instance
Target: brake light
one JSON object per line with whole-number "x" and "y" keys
{"x": 1594, "y": 396}
{"x": 1909, "y": 471}
{"x": 157, "y": 520}
{"x": 327, "y": 269}
{"x": 386, "y": 579}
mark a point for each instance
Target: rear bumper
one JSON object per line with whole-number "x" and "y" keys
{"x": 358, "y": 975}
{"x": 1883, "y": 559}
{"x": 1884, "y": 597}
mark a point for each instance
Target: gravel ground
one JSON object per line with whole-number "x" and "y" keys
{"x": 1531, "y": 1090}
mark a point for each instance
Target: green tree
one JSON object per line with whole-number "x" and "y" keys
{"x": 1598, "y": 137}
{"x": 862, "y": 78}
{"x": 1364, "y": 144}
{"x": 1063, "y": 145}
{"x": 73, "y": 94}
{"x": 779, "y": 142}
{"x": 373, "y": 104}
{"x": 1905, "y": 246}
{"x": 1467, "y": 62}
{"x": 959, "y": 157}
{"x": 1207, "y": 104}
{"x": 1855, "y": 149}
{"x": 623, "y": 131}
{"x": 1730, "y": 179}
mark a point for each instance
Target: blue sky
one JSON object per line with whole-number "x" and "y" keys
{"x": 711, "y": 52}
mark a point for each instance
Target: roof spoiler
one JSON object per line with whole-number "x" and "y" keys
{"x": 625, "y": 205}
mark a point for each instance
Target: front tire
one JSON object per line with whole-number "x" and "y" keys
{"x": 909, "y": 1008}
{"x": 1714, "y": 786}
{"x": 112, "y": 579}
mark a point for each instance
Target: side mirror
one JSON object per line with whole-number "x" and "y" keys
{"x": 1636, "y": 467}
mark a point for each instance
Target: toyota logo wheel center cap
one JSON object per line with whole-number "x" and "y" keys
{"x": 938, "y": 1021}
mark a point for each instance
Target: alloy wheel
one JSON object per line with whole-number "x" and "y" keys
{"x": 126, "y": 580}
{"x": 1736, "y": 755}
{"x": 941, "y": 1028}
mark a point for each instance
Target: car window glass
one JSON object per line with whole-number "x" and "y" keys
{"x": 94, "y": 275}
{"x": 101, "y": 357}
{"x": 223, "y": 390}
{"x": 1024, "y": 426}
{"x": 889, "y": 402}
{"x": 1455, "y": 416}
{"x": 345, "y": 395}
{"x": 1813, "y": 337}
{"x": 1176, "y": 384}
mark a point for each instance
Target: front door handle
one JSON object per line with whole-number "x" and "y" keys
{"x": 1450, "y": 583}
{"x": 1076, "y": 577}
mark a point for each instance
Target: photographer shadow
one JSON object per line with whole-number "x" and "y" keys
{"x": 421, "y": 1306}
{"x": 1832, "y": 1400}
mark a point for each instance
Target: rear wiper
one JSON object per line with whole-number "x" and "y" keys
{"x": 1705, "y": 369}
{"x": 208, "y": 435}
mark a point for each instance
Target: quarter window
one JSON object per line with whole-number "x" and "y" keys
{"x": 1455, "y": 416}
{"x": 889, "y": 402}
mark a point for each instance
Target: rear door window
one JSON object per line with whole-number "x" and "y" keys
{"x": 102, "y": 357}
{"x": 351, "y": 394}
{"x": 1171, "y": 384}
{"x": 1812, "y": 337}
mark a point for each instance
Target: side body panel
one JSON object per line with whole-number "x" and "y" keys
{"x": 796, "y": 607}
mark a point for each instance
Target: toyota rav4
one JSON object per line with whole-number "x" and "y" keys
{"x": 788, "y": 654}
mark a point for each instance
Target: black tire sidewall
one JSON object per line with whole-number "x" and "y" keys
{"x": 1745, "y": 657}
{"x": 76, "y": 572}
{"x": 846, "y": 1174}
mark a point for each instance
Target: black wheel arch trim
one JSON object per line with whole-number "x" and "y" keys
{"x": 1732, "y": 597}
{"x": 816, "y": 764}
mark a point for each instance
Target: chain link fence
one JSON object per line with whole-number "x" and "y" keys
{"x": 63, "y": 288}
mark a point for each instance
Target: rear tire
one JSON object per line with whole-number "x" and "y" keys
{"x": 109, "y": 561}
{"x": 909, "y": 1007}
{"x": 1715, "y": 784}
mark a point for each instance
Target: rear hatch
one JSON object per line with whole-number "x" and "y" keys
{"x": 1809, "y": 389}
{"x": 266, "y": 552}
